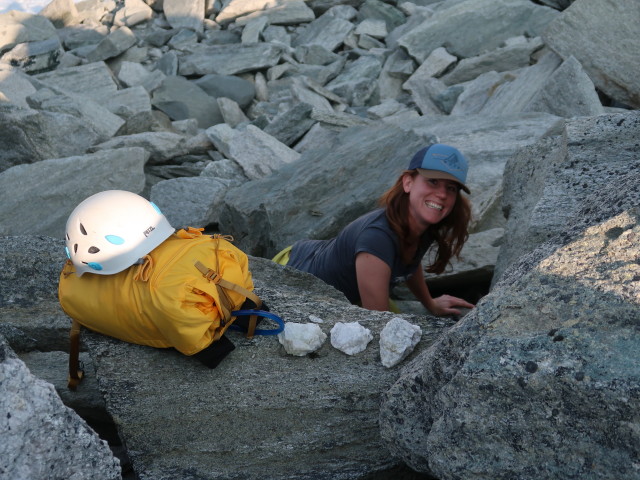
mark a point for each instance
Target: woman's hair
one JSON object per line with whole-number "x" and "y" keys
{"x": 449, "y": 234}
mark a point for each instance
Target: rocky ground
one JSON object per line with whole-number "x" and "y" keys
{"x": 273, "y": 121}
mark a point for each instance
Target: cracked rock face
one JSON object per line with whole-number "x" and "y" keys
{"x": 536, "y": 381}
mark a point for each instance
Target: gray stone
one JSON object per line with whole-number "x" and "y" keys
{"x": 231, "y": 112}
{"x": 291, "y": 12}
{"x": 314, "y": 55}
{"x": 132, "y": 74}
{"x": 447, "y": 98}
{"x": 186, "y": 127}
{"x": 18, "y": 27}
{"x": 112, "y": 45}
{"x": 415, "y": 19}
{"x": 395, "y": 70}
{"x": 543, "y": 352}
{"x": 252, "y": 29}
{"x": 183, "y": 40}
{"x": 421, "y": 83}
{"x": 513, "y": 96}
{"x": 472, "y": 27}
{"x": 291, "y": 125}
{"x": 28, "y": 136}
{"x": 180, "y": 99}
{"x": 366, "y": 42}
{"x": 510, "y": 57}
{"x": 44, "y": 257}
{"x": 93, "y": 11}
{"x": 328, "y": 31}
{"x": 339, "y": 120}
{"x": 276, "y": 33}
{"x": 128, "y": 101}
{"x": 41, "y": 437}
{"x": 58, "y": 185}
{"x": 321, "y": 74}
{"x": 434, "y": 65}
{"x": 160, "y": 36}
{"x": 316, "y": 137}
{"x": 317, "y": 98}
{"x": 175, "y": 197}
{"x": 602, "y": 36}
{"x": 547, "y": 184}
{"x": 104, "y": 123}
{"x": 357, "y": 81}
{"x": 236, "y": 8}
{"x": 69, "y": 60}
{"x": 162, "y": 146}
{"x": 258, "y": 153}
{"x": 229, "y": 59}
{"x": 378, "y": 10}
{"x": 93, "y": 80}
{"x": 236, "y": 88}
{"x": 385, "y": 109}
{"x": 132, "y": 13}
{"x": 146, "y": 121}
{"x": 60, "y": 12}
{"x": 376, "y": 28}
{"x": 35, "y": 57}
{"x": 225, "y": 169}
{"x": 477, "y": 92}
{"x": 168, "y": 64}
{"x": 221, "y": 37}
{"x": 15, "y": 85}
{"x": 77, "y": 36}
{"x": 53, "y": 367}
{"x": 569, "y": 92}
{"x": 184, "y": 14}
{"x": 424, "y": 93}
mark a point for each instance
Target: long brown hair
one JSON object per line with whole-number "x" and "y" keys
{"x": 449, "y": 234}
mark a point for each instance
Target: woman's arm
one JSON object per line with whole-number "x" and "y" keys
{"x": 373, "y": 276}
{"x": 443, "y": 305}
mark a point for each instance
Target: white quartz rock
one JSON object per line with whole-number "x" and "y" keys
{"x": 350, "y": 338}
{"x": 300, "y": 339}
{"x": 398, "y": 338}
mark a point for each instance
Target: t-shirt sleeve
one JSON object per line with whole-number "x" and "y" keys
{"x": 377, "y": 242}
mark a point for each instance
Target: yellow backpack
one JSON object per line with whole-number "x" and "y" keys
{"x": 184, "y": 295}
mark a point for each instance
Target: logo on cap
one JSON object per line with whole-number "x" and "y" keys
{"x": 452, "y": 161}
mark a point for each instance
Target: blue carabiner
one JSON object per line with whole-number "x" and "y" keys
{"x": 263, "y": 314}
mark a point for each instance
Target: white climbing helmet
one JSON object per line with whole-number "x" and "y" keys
{"x": 109, "y": 231}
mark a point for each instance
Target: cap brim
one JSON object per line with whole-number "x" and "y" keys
{"x": 444, "y": 175}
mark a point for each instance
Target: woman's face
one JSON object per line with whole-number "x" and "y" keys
{"x": 430, "y": 199}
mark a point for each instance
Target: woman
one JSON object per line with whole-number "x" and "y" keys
{"x": 385, "y": 247}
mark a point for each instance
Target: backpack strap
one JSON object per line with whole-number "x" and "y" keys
{"x": 226, "y": 305}
{"x": 75, "y": 371}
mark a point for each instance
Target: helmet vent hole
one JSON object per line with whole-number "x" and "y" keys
{"x": 75, "y": 248}
{"x": 82, "y": 230}
{"x": 94, "y": 250}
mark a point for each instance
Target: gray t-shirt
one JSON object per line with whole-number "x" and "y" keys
{"x": 334, "y": 261}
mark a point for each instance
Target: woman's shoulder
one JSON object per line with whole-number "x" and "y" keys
{"x": 375, "y": 225}
{"x": 374, "y": 217}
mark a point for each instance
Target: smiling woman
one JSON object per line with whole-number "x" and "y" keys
{"x": 424, "y": 209}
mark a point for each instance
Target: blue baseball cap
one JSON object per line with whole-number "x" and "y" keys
{"x": 441, "y": 161}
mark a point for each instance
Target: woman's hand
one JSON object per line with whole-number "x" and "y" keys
{"x": 446, "y": 305}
